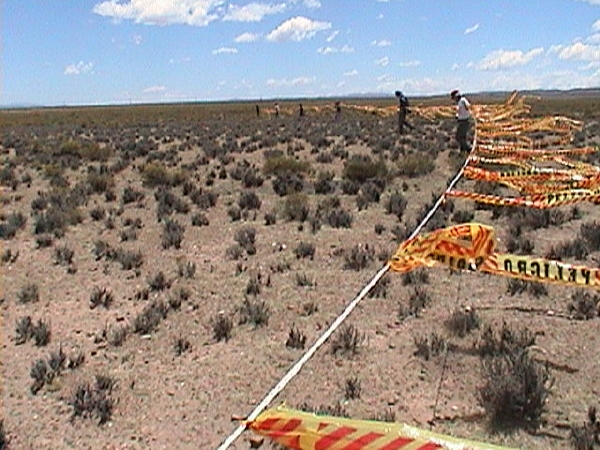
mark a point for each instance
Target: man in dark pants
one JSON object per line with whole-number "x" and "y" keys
{"x": 402, "y": 112}
{"x": 463, "y": 118}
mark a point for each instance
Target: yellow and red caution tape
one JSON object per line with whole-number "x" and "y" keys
{"x": 300, "y": 430}
{"x": 472, "y": 247}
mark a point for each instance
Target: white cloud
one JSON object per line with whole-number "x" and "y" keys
{"x": 137, "y": 39}
{"x": 297, "y": 29}
{"x": 312, "y": 4}
{"x": 503, "y": 59}
{"x": 298, "y": 81}
{"x": 247, "y": 37}
{"x": 413, "y": 63}
{"x": 222, "y": 50}
{"x": 327, "y": 50}
{"x": 382, "y": 43}
{"x": 161, "y": 12}
{"x": 593, "y": 39}
{"x": 156, "y": 88}
{"x": 409, "y": 85}
{"x": 78, "y": 68}
{"x": 332, "y": 36}
{"x": 596, "y": 25}
{"x": 472, "y": 29}
{"x": 577, "y": 51}
{"x": 252, "y": 12}
{"x": 351, "y": 73}
{"x": 383, "y": 62}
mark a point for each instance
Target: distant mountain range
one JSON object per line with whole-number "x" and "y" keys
{"x": 547, "y": 93}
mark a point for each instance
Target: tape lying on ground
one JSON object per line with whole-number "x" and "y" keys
{"x": 472, "y": 247}
{"x": 306, "y": 431}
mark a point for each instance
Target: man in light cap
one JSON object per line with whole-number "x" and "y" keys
{"x": 463, "y": 117}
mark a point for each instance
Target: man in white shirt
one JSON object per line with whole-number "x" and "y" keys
{"x": 463, "y": 117}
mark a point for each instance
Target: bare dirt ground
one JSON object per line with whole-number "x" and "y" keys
{"x": 174, "y": 385}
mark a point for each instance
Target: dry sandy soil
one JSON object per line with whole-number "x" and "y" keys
{"x": 165, "y": 399}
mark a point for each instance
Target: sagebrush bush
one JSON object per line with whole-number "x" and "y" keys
{"x": 515, "y": 389}
{"x": 156, "y": 174}
{"x": 255, "y": 312}
{"x": 249, "y": 200}
{"x": 505, "y": 340}
{"x": 131, "y": 195}
{"x": 101, "y": 297}
{"x": 587, "y": 435}
{"x": 221, "y": 326}
{"x": 29, "y": 293}
{"x": 246, "y": 238}
{"x": 396, "y": 204}
{"x": 461, "y": 322}
{"x": 41, "y": 333}
{"x": 11, "y": 224}
{"x": 359, "y": 169}
{"x": 352, "y": 388}
{"x": 279, "y": 165}
{"x": 63, "y": 255}
{"x": 415, "y": 277}
{"x": 186, "y": 269}
{"x": 23, "y": 330}
{"x": 430, "y": 345}
{"x": 416, "y": 165}
{"x": 347, "y": 341}
{"x": 296, "y": 339}
{"x": 358, "y": 257}
{"x": 305, "y": 250}
{"x": 590, "y": 234}
{"x": 147, "y": 321}
{"x": 159, "y": 282}
{"x": 583, "y": 305}
{"x": 94, "y": 400}
{"x": 172, "y": 234}
{"x": 296, "y": 207}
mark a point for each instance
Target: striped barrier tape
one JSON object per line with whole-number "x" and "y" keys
{"x": 472, "y": 247}
{"x": 538, "y": 201}
{"x": 299, "y": 430}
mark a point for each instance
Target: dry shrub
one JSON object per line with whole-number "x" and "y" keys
{"x": 360, "y": 169}
{"x": 296, "y": 338}
{"x": 430, "y": 346}
{"x": 255, "y": 312}
{"x": 347, "y": 341}
{"x": 515, "y": 389}
{"x": 463, "y": 321}
{"x": 587, "y": 435}
{"x": 416, "y": 165}
{"x": 279, "y": 165}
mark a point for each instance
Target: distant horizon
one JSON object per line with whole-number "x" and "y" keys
{"x": 581, "y": 91}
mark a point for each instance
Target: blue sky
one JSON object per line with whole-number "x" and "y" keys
{"x": 72, "y": 52}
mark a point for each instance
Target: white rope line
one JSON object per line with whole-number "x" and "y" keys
{"x": 311, "y": 351}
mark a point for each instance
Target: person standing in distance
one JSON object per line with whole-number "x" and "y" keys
{"x": 403, "y": 110}
{"x": 463, "y": 119}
